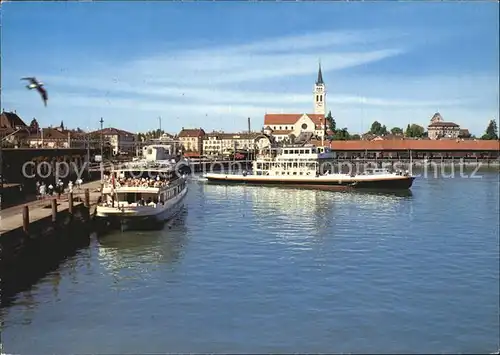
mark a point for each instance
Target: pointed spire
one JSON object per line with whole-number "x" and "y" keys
{"x": 320, "y": 76}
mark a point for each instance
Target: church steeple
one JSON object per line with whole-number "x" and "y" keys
{"x": 319, "y": 94}
{"x": 320, "y": 76}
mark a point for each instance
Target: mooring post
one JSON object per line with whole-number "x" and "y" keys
{"x": 70, "y": 203}
{"x": 26, "y": 218}
{"x": 87, "y": 201}
{"x": 87, "y": 198}
{"x": 54, "y": 210}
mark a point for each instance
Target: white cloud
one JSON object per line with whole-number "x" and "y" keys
{"x": 209, "y": 87}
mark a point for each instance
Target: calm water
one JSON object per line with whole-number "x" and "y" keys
{"x": 262, "y": 269}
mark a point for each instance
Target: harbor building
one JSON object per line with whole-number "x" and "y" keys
{"x": 222, "y": 143}
{"x": 121, "y": 142}
{"x": 439, "y": 128}
{"x": 191, "y": 140}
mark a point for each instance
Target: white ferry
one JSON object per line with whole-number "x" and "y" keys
{"x": 307, "y": 166}
{"x": 142, "y": 195}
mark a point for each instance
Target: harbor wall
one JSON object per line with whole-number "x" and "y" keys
{"x": 13, "y": 161}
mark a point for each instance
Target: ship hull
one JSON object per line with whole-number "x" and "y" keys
{"x": 322, "y": 182}
{"x": 142, "y": 221}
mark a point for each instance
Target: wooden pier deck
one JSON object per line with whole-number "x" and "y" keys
{"x": 12, "y": 218}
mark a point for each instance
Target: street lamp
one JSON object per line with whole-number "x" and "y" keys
{"x": 101, "y": 121}
{"x": 88, "y": 153}
{"x": 102, "y": 159}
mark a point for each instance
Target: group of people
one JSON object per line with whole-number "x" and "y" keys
{"x": 58, "y": 188}
{"x": 137, "y": 182}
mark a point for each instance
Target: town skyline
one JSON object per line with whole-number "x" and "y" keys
{"x": 376, "y": 68}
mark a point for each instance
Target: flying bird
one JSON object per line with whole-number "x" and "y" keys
{"x": 35, "y": 84}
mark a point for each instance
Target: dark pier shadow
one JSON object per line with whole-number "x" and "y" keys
{"x": 38, "y": 256}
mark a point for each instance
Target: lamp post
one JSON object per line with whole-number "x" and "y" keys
{"x": 88, "y": 153}
{"x": 102, "y": 159}
{"x": 101, "y": 121}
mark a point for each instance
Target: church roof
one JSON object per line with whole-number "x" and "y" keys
{"x": 290, "y": 118}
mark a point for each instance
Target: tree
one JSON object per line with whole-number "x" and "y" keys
{"x": 341, "y": 135}
{"x": 330, "y": 122}
{"x": 150, "y": 135}
{"x": 378, "y": 129}
{"x": 491, "y": 131}
{"x": 414, "y": 131}
{"x": 397, "y": 131}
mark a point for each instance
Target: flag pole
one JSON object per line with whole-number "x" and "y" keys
{"x": 323, "y": 131}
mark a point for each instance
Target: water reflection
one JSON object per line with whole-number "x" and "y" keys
{"x": 137, "y": 254}
{"x": 304, "y": 217}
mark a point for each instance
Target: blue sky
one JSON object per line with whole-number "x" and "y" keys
{"x": 213, "y": 64}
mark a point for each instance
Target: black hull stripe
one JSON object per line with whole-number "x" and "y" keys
{"x": 386, "y": 184}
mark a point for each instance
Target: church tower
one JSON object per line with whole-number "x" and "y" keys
{"x": 319, "y": 94}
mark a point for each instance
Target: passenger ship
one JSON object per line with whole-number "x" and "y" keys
{"x": 142, "y": 195}
{"x": 304, "y": 166}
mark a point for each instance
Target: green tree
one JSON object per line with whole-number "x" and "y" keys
{"x": 341, "y": 135}
{"x": 397, "y": 131}
{"x": 491, "y": 131}
{"x": 355, "y": 137}
{"x": 150, "y": 134}
{"x": 414, "y": 131}
{"x": 378, "y": 129}
{"x": 330, "y": 122}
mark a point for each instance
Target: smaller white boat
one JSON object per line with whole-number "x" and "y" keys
{"x": 142, "y": 195}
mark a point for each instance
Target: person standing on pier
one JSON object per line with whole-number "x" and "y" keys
{"x": 42, "y": 190}
{"x": 60, "y": 188}
{"x": 51, "y": 189}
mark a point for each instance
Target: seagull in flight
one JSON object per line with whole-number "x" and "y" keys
{"x": 35, "y": 84}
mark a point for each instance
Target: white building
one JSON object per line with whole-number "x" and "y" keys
{"x": 221, "y": 143}
{"x": 157, "y": 152}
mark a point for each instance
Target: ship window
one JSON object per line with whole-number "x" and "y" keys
{"x": 301, "y": 173}
{"x": 132, "y": 197}
{"x": 294, "y": 173}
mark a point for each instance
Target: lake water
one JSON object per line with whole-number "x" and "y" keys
{"x": 264, "y": 269}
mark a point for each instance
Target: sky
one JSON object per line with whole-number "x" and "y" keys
{"x": 213, "y": 64}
